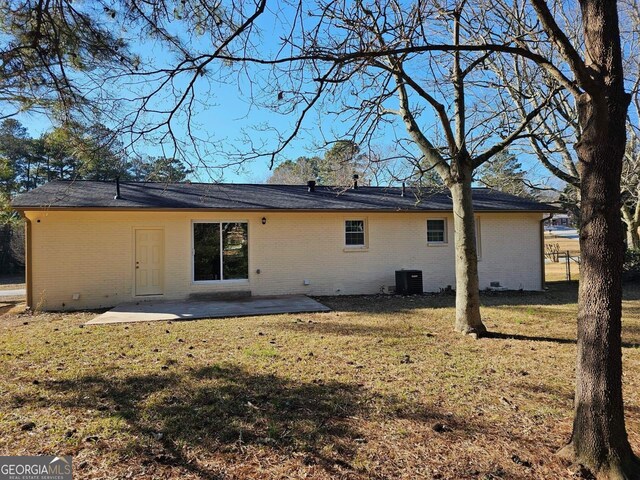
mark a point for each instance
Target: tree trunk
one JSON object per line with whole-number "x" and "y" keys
{"x": 599, "y": 439}
{"x": 633, "y": 239}
{"x": 468, "y": 319}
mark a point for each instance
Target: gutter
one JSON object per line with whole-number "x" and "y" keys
{"x": 542, "y": 264}
{"x": 252, "y": 210}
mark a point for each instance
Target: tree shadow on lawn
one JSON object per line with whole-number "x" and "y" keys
{"x": 223, "y": 409}
{"x": 630, "y": 333}
{"x": 562, "y": 341}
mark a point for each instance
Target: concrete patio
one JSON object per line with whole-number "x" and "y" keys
{"x": 153, "y": 311}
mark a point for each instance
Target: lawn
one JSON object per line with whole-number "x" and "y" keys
{"x": 380, "y": 388}
{"x": 557, "y": 271}
{"x": 564, "y": 244}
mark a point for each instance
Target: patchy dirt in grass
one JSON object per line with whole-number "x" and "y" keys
{"x": 380, "y": 388}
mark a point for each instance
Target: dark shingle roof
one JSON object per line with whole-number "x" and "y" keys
{"x": 230, "y": 196}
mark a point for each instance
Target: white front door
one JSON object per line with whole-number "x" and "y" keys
{"x": 149, "y": 262}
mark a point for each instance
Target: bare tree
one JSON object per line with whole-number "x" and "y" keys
{"x": 72, "y": 61}
{"x": 631, "y": 164}
{"x": 590, "y": 68}
{"x": 555, "y": 133}
{"x": 362, "y": 65}
{"x": 364, "y": 58}
{"x": 375, "y": 38}
{"x": 631, "y": 189}
{"x": 295, "y": 172}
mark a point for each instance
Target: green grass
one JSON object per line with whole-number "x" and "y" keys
{"x": 259, "y": 351}
{"x": 360, "y": 392}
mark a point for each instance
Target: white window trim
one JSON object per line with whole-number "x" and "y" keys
{"x": 355, "y": 248}
{"x": 446, "y": 233}
{"x": 237, "y": 281}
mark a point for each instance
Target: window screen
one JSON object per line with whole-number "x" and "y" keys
{"x": 436, "y": 231}
{"x": 354, "y": 232}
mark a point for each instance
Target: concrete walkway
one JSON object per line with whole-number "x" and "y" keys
{"x": 191, "y": 309}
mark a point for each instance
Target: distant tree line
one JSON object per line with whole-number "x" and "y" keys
{"x": 72, "y": 152}
{"x": 337, "y": 167}
{"x": 345, "y": 159}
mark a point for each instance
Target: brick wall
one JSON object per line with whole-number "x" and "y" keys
{"x": 91, "y": 254}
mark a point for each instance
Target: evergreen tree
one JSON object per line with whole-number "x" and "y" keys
{"x": 296, "y": 172}
{"x": 158, "y": 169}
{"x": 337, "y": 167}
{"x": 54, "y": 53}
{"x": 504, "y": 173}
{"x": 15, "y": 156}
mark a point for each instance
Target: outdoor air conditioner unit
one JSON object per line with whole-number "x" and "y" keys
{"x": 408, "y": 282}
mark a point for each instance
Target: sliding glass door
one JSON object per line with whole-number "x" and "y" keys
{"x": 220, "y": 251}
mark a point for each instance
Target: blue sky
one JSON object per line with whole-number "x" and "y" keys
{"x": 230, "y": 112}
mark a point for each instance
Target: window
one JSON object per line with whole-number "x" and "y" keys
{"x": 354, "y": 233}
{"x": 437, "y": 231}
{"x": 220, "y": 251}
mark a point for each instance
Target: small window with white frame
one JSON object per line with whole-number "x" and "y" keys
{"x": 354, "y": 233}
{"x": 436, "y": 231}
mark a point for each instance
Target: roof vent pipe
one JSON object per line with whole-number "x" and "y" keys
{"x": 403, "y": 190}
{"x": 355, "y": 181}
{"x": 117, "y": 197}
{"x": 311, "y": 186}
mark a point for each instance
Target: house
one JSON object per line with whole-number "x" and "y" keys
{"x": 97, "y": 244}
{"x": 560, "y": 220}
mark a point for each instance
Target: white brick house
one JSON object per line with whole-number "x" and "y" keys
{"x": 87, "y": 249}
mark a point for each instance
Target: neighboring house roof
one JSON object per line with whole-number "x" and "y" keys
{"x": 63, "y": 195}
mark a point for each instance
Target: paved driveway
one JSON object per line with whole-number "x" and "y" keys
{"x": 564, "y": 232}
{"x": 193, "y": 309}
{"x": 19, "y": 292}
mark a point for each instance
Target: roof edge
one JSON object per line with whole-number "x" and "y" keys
{"x": 290, "y": 210}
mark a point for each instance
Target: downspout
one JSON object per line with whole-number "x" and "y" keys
{"x": 542, "y": 265}
{"x": 27, "y": 261}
